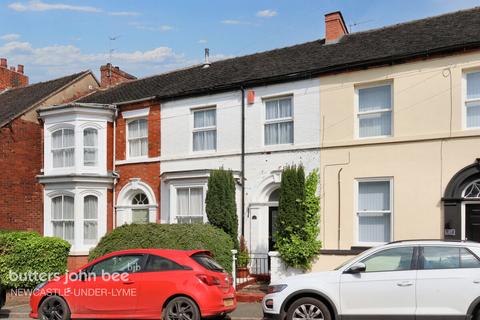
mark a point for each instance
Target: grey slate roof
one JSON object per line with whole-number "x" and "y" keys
{"x": 393, "y": 44}
{"x": 15, "y": 102}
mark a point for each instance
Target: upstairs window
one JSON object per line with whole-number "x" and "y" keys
{"x": 278, "y": 121}
{"x": 63, "y": 218}
{"x": 63, "y": 148}
{"x": 205, "y": 130}
{"x": 190, "y": 205}
{"x": 472, "y": 100}
{"x": 138, "y": 138}
{"x": 90, "y": 147}
{"x": 375, "y": 111}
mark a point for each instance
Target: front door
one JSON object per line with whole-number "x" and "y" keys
{"x": 472, "y": 222}
{"x": 272, "y": 223}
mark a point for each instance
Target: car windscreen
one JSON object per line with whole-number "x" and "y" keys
{"x": 207, "y": 262}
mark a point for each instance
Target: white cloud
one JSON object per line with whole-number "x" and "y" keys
{"x": 231, "y": 21}
{"x": 37, "y": 5}
{"x": 268, "y": 13}
{"x": 43, "y": 63}
{"x": 10, "y": 37}
{"x": 124, "y": 13}
{"x": 142, "y": 26}
{"x": 202, "y": 41}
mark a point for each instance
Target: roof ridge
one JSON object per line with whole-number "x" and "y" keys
{"x": 413, "y": 21}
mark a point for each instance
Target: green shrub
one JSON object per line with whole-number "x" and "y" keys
{"x": 243, "y": 256}
{"x": 168, "y": 236}
{"x": 220, "y": 203}
{"x": 298, "y": 245}
{"x": 28, "y": 253}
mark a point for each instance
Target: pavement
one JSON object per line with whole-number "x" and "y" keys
{"x": 17, "y": 307}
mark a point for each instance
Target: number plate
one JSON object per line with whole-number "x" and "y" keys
{"x": 228, "y": 302}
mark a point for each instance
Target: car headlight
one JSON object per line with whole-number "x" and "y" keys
{"x": 276, "y": 288}
{"x": 40, "y": 286}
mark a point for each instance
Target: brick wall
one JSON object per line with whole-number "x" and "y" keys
{"x": 11, "y": 78}
{"x": 21, "y": 205}
{"x": 148, "y": 172}
{"x": 112, "y": 75}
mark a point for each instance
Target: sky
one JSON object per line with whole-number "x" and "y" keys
{"x": 53, "y": 38}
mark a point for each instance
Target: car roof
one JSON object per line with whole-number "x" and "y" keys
{"x": 417, "y": 242}
{"x": 163, "y": 252}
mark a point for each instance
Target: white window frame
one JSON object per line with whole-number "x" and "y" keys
{"x": 63, "y": 149}
{"x": 95, "y": 165}
{"x": 127, "y": 122}
{"x": 97, "y": 238}
{"x": 52, "y": 220}
{"x": 465, "y": 101}
{"x": 173, "y": 199}
{"x": 358, "y": 113}
{"x": 202, "y": 129}
{"x": 356, "y": 213}
{"x": 278, "y": 120}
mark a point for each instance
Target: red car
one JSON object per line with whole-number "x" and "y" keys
{"x": 139, "y": 284}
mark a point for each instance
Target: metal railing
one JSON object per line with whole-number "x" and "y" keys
{"x": 249, "y": 270}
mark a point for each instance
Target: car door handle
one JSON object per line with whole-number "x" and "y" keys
{"x": 405, "y": 284}
{"x": 476, "y": 281}
{"x": 128, "y": 282}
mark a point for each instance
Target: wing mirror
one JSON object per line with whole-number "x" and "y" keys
{"x": 357, "y": 268}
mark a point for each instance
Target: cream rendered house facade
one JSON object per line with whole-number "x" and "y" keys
{"x": 399, "y": 153}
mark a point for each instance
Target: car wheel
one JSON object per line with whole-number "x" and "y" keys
{"x": 54, "y": 308}
{"x": 308, "y": 308}
{"x": 181, "y": 308}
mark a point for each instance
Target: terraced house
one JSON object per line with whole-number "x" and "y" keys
{"x": 390, "y": 117}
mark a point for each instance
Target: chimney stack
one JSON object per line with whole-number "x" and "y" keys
{"x": 11, "y": 78}
{"x": 112, "y": 75}
{"x": 335, "y": 27}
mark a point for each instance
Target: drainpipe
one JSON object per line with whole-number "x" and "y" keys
{"x": 114, "y": 211}
{"x": 243, "y": 159}
{"x": 339, "y": 181}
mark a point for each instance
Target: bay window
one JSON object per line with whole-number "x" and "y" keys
{"x": 189, "y": 205}
{"x": 278, "y": 121}
{"x": 205, "y": 129}
{"x": 63, "y": 217}
{"x": 472, "y": 100}
{"x": 90, "y": 147}
{"x": 374, "y": 211}
{"x": 138, "y": 138}
{"x": 374, "y": 111}
{"x": 63, "y": 148}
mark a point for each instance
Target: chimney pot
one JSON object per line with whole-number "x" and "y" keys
{"x": 20, "y": 68}
{"x": 12, "y": 68}
{"x": 335, "y": 27}
{"x": 3, "y": 62}
{"x": 207, "y": 58}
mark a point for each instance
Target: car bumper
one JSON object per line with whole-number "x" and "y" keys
{"x": 33, "y": 315}
{"x": 216, "y": 303}
{"x": 272, "y": 316}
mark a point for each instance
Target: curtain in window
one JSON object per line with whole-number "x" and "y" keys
{"x": 63, "y": 217}
{"x": 63, "y": 148}
{"x": 190, "y": 205}
{"x": 375, "y": 124}
{"x": 196, "y": 201}
{"x": 374, "y": 211}
{"x": 205, "y": 118}
{"x": 138, "y": 138}
{"x": 473, "y": 85}
{"x": 182, "y": 202}
{"x": 90, "y": 141}
{"x": 205, "y": 140}
{"x": 90, "y": 216}
{"x": 279, "y": 133}
{"x": 375, "y": 98}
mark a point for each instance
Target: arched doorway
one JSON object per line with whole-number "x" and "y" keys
{"x": 136, "y": 203}
{"x": 461, "y": 204}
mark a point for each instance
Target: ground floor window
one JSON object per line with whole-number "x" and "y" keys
{"x": 374, "y": 211}
{"x": 90, "y": 221}
{"x": 63, "y": 217}
{"x": 189, "y": 205}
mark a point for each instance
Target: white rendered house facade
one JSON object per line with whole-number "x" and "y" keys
{"x": 282, "y": 127}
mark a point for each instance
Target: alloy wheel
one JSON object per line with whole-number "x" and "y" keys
{"x": 52, "y": 310}
{"x": 181, "y": 310}
{"x": 307, "y": 312}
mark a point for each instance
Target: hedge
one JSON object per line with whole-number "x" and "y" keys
{"x": 28, "y": 253}
{"x": 168, "y": 236}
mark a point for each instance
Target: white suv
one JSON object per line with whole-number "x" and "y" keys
{"x": 400, "y": 280}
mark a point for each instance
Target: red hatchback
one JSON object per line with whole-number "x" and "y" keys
{"x": 139, "y": 284}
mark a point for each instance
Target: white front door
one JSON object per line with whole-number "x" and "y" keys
{"x": 448, "y": 282}
{"x": 386, "y": 288}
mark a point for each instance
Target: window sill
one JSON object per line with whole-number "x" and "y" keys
{"x": 137, "y": 160}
